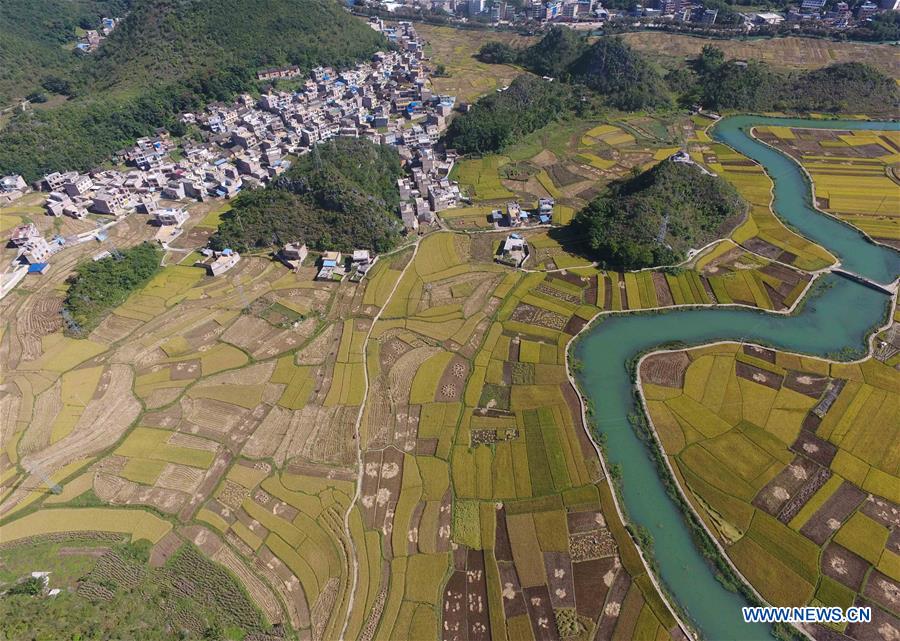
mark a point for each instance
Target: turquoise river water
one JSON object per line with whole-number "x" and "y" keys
{"x": 839, "y": 315}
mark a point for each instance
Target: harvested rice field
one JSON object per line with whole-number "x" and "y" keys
{"x": 788, "y": 53}
{"x": 467, "y": 77}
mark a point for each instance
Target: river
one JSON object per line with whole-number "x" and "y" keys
{"x": 838, "y": 315}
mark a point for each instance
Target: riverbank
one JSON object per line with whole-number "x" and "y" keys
{"x": 834, "y": 318}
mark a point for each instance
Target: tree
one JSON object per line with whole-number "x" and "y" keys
{"x": 710, "y": 59}
{"x": 529, "y": 103}
{"x": 57, "y": 85}
{"x": 32, "y": 586}
{"x": 624, "y": 77}
{"x": 497, "y": 53}
{"x": 653, "y": 217}
{"x": 555, "y": 52}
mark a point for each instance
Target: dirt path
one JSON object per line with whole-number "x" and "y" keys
{"x": 359, "y": 454}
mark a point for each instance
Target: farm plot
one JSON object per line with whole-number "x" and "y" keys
{"x": 467, "y": 77}
{"x": 187, "y": 357}
{"x": 762, "y": 232}
{"x": 453, "y": 429}
{"x": 851, "y": 172}
{"x": 779, "y": 454}
{"x": 569, "y": 161}
{"x": 787, "y": 53}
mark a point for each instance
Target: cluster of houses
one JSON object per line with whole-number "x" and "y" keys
{"x": 248, "y": 143}
{"x": 92, "y": 38}
{"x": 333, "y": 265}
{"x": 837, "y": 15}
{"x": 516, "y": 216}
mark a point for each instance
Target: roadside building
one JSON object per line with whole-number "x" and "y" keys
{"x": 36, "y": 250}
{"x": 514, "y": 250}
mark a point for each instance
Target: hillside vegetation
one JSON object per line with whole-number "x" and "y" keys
{"x": 38, "y": 37}
{"x": 850, "y": 87}
{"x": 625, "y": 79}
{"x": 101, "y": 285}
{"x": 170, "y": 56}
{"x": 341, "y": 196}
{"x": 500, "y": 118}
{"x": 653, "y": 218}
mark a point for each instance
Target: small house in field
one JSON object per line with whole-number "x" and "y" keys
{"x": 36, "y": 250}
{"x": 166, "y": 216}
{"x": 295, "y": 251}
{"x": 293, "y": 254}
{"x": 513, "y": 251}
{"x": 217, "y": 263}
{"x": 362, "y": 261}
{"x": 331, "y": 267}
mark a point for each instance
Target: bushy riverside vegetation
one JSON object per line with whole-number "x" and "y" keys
{"x": 654, "y": 217}
{"x": 102, "y": 285}
{"x": 342, "y": 196}
{"x": 166, "y": 58}
{"x": 500, "y": 118}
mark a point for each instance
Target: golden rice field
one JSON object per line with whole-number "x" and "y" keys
{"x": 780, "y": 477}
{"x": 568, "y": 161}
{"x": 854, "y": 174}
{"x": 412, "y": 443}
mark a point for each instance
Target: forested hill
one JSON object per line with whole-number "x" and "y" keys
{"x": 624, "y": 79}
{"x": 850, "y": 87}
{"x": 165, "y": 40}
{"x": 653, "y": 218}
{"x": 37, "y": 39}
{"x": 622, "y": 76}
{"x": 169, "y": 56}
{"x": 341, "y": 196}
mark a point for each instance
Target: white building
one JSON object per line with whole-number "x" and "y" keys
{"x": 110, "y": 202}
{"x": 223, "y": 262}
{"x": 79, "y": 186}
{"x": 37, "y": 250}
{"x": 170, "y": 216}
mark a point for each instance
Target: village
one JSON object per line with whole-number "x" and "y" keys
{"x": 247, "y": 144}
